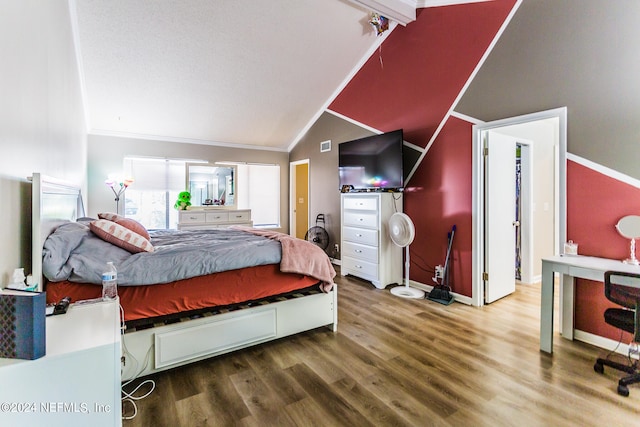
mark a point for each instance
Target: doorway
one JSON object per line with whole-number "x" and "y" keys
{"x": 555, "y": 171}
{"x": 299, "y": 200}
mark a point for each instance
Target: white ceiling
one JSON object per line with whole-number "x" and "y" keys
{"x": 253, "y": 73}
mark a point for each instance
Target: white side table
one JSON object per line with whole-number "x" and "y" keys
{"x": 77, "y": 382}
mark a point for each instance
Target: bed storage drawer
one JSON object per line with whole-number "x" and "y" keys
{"x": 190, "y": 343}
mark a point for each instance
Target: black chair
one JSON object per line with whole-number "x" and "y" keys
{"x": 623, "y": 289}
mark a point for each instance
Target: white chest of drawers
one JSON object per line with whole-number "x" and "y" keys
{"x": 209, "y": 218}
{"x": 367, "y": 249}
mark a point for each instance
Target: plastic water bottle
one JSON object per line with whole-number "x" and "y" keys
{"x": 110, "y": 282}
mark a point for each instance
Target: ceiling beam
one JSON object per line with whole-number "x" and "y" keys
{"x": 436, "y": 3}
{"x": 400, "y": 11}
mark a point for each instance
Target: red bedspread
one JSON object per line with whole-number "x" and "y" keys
{"x": 219, "y": 289}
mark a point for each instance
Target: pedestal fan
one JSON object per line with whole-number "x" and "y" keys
{"x": 402, "y": 233}
{"x": 317, "y": 234}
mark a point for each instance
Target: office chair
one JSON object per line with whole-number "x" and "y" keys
{"x": 623, "y": 289}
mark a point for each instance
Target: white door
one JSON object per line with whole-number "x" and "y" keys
{"x": 500, "y": 216}
{"x": 558, "y": 120}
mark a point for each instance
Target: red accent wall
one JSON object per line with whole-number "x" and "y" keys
{"x": 595, "y": 203}
{"x": 424, "y": 67}
{"x": 440, "y": 200}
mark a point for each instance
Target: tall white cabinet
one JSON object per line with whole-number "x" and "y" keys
{"x": 367, "y": 249}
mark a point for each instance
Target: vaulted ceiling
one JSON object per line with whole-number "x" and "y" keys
{"x": 227, "y": 72}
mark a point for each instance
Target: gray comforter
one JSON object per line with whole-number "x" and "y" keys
{"x": 74, "y": 253}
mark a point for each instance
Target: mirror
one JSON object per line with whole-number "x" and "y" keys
{"x": 211, "y": 185}
{"x": 629, "y": 227}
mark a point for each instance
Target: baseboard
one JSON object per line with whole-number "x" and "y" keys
{"x": 602, "y": 342}
{"x": 530, "y": 280}
{"x": 427, "y": 288}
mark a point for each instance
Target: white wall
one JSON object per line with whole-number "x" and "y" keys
{"x": 42, "y": 125}
{"x": 106, "y": 154}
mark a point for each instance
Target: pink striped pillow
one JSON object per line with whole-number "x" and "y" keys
{"x": 129, "y": 223}
{"x": 120, "y": 236}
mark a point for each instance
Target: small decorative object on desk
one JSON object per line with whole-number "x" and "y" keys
{"x": 570, "y": 248}
{"x": 629, "y": 227}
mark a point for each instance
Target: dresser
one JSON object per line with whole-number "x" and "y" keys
{"x": 209, "y": 218}
{"x": 367, "y": 249}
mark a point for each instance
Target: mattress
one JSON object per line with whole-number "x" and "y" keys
{"x": 188, "y": 295}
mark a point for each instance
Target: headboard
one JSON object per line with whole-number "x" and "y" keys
{"x": 52, "y": 203}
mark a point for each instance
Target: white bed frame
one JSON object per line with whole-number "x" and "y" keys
{"x": 167, "y": 346}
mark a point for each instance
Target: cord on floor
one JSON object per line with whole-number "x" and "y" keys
{"x": 130, "y": 397}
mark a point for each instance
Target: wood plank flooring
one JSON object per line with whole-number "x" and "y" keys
{"x": 399, "y": 362}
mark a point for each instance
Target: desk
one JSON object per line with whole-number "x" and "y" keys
{"x": 583, "y": 267}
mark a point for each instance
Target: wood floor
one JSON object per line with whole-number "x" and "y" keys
{"x": 399, "y": 362}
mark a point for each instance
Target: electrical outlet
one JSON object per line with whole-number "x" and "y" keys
{"x": 439, "y": 271}
{"x": 336, "y": 247}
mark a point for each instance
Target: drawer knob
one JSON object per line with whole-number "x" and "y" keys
{"x": 358, "y": 266}
{"x": 358, "y": 235}
{"x": 360, "y": 219}
{"x": 358, "y": 251}
{"x": 193, "y": 217}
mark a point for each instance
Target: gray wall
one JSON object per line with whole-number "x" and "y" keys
{"x": 582, "y": 54}
{"x": 106, "y": 154}
{"x": 42, "y": 127}
{"x": 324, "y": 194}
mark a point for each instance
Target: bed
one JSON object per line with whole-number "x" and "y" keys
{"x": 239, "y": 289}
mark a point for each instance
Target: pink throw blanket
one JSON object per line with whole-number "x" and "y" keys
{"x": 299, "y": 256}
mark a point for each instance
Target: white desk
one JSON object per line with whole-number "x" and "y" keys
{"x": 583, "y": 267}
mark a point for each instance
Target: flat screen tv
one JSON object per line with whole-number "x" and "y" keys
{"x": 373, "y": 163}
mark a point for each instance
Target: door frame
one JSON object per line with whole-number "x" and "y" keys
{"x": 292, "y": 193}
{"x": 477, "y": 212}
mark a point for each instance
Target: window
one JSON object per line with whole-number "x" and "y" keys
{"x": 157, "y": 183}
{"x": 259, "y": 190}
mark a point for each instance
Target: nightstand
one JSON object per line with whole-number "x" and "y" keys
{"x": 77, "y": 382}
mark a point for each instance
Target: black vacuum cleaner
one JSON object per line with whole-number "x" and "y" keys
{"x": 441, "y": 293}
